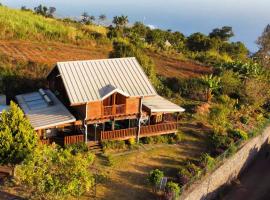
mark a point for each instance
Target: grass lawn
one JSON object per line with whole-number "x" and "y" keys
{"x": 127, "y": 177}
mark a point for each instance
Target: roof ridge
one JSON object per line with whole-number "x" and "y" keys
{"x": 93, "y": 60}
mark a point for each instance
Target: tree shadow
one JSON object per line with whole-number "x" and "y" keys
{"x": 225, "y": 191}
{"x": 132, "y": 188}
{"x": 8, "y": 196}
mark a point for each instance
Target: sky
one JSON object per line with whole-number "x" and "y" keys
{"x": 247, "y": 17}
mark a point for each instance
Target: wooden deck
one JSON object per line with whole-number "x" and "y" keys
{"x": 146, "y": 131}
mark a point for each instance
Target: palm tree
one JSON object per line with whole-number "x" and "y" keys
{"x": 85, "y": 17}
{"x": 212, "y": 83}
{"x": 102, "y": 18}
{"x": 120, "y": 21}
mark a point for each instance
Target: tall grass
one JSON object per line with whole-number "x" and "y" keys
{"x": 16, "y": 24}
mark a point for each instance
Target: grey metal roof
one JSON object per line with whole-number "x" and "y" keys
{"x": 40, "y": 113}
{"x": 86, "y": 81}
{"x": 159, "y": 104}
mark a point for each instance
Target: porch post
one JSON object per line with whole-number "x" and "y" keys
{"x": 95, "y": 125}
{"x": 113, "y": 124}
{"x": 139, "y": 123}
{"x": 85, "y": 123}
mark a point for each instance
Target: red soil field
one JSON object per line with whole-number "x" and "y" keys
{"x": 169, "y": 66}
{"x": 50, "y": 53}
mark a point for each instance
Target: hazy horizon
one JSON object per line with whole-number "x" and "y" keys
{"x": 247, "y": 17}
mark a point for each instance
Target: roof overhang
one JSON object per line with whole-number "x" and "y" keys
{"x": 157, "y": 104}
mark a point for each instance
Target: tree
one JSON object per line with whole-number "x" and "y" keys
{"x": 17, "y": 138}
{"x": 224, "y": 33}
{"x": 45, "y": 11}
{"x": 24, "y": 8}
{"x": 52, "y": 173}
{"x": 154, "y": 178}
{"x": 172, "y": 191}
{"x": 198, "y": 42}
{"x": 264, "y": 47}
{"x": 140, "y": 29}
{"x": 85, "y": 17}
{"x": 236, "y": 50}
{"x": 120, "y": 22}
{"x": 41, "y": 10}
{"x": 51, "y": 12}
{"x": 212, "y": 83}
{"x": 102, "y": 18}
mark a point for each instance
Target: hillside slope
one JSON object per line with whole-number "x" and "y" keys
{"x": 21, "y": 33}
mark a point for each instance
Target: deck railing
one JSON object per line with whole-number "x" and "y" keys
{"x": 158, "y": 129}
{"x": 108, "y": 110}
{"x": 151, "y": 130}
{"x": 73, "y": 139}
{"x": 120, "y": 109}
{"x": 119, "y": 134}
{"x": 114, "y": 110}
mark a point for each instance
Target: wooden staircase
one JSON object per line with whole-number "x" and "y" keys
{"x": 95, "y": 147}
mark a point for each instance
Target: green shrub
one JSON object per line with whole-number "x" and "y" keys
{"x": 161, "y": 139}
{"x": 111, "y": 160}
{"x": 172, "y": 191}
{"x": 148, "y": 140}
{"x": 244, "y": 119}
{"x": 78, "y": 147}
{"x": 219, "y": 143}
{"x": 184, "y": 175}
{"x": 232, "y": 150}
{"x": 154, "y": 178}
{"x": 193, "y": 169}
{"x": 132, "y": 141}
{"x": 111, "y": 144}
{"x": 207, "y": 161}
{"x": 238, "y": 134}
{"x": 178, "y": 137}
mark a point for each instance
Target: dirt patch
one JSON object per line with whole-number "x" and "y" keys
{"x": 171, "y": 66}
{"x": 51, "y": 52}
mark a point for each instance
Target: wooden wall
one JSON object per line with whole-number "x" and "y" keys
{"x": 132, "y": 105}
{"x": 94, "y": 109}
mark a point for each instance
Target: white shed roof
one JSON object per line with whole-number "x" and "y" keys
{"x": 86, "y": 81}
{"x": 159, "y": 104}
{"x": 40, "y": 113}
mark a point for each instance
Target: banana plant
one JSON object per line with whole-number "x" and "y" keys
{"x": 212, "y": 84}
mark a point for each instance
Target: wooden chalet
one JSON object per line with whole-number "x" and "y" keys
{"x": 109, "y": 99}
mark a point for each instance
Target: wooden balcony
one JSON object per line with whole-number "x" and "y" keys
{"x": 151, "y": 130}
{"x": 114, "y": 110}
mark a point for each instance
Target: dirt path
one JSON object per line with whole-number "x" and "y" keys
{"x": 254, "y": 183}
